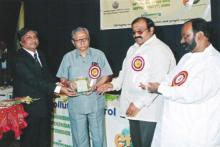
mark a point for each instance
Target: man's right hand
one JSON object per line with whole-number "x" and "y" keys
{"x": 67, "y": 91}
{"x": 153, "y": 87}
{"x": 104, "y": 88}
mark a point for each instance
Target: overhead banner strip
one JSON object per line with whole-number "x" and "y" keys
{"x": 117, "y": 14}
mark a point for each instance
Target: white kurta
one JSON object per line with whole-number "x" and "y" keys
{"x": 146, "y": 63}
{"x": 191, "y": 113}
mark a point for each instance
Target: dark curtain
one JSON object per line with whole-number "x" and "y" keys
{"x": 55, "y": 19}
{"x": 9, "y": 11}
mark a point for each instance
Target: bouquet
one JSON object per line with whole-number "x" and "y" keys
{"x": 15, "y": 101}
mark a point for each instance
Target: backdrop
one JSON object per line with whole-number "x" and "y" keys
{"x": 55, "y": 19}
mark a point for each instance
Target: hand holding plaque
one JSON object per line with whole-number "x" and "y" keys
{"x": 82, "y": 85}
{"x": 65, "y": 91}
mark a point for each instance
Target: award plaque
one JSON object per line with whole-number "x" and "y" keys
{"x": 82, "y": 85}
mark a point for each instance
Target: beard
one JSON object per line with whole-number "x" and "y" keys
{"x": 189, "y": 46}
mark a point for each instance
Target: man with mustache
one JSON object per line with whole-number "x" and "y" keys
{"x": 147, "y": 60}
{"x": 192, "y": 90}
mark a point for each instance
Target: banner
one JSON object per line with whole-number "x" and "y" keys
{"x": 117, "y": 128}
{"x": 62, "y": 136}
{"x": 117, "y": 14}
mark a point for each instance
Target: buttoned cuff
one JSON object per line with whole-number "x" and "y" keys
{"x": 57, "y": 89}
{"x": 114, "y": 85}
{"x": 161, "y": 89}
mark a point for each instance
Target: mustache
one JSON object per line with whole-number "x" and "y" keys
{"x": 136, "y": 37}
{"x": 184, "y": 45}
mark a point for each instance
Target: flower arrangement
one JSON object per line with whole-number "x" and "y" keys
{"x": 12, "y": 115}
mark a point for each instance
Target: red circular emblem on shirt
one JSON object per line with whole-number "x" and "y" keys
{"x": 94, "y": 72}
{"x": 138, "y": 63}
{"x": 180, "y": 78}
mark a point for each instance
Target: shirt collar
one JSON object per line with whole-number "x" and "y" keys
{"x": 89, "y": 53}
{"x": 31, "y": 52}
{"x": 152, "y": 38}
{"x": 207, "y": 50}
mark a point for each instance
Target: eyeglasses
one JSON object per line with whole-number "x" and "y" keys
{"x": 139, "y": 32}
{"x": 81, "y": 40}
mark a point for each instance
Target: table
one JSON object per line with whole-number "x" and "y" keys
{"x": 12, "y": 118}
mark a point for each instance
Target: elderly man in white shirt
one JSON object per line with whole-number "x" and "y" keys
{"x": 149, "y": 59}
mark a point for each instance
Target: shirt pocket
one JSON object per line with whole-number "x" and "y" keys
{"x": 77, "y": 72}
{"x": 73, "y": 72}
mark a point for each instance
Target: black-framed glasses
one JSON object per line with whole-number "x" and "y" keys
{"x": 81, "y": 40}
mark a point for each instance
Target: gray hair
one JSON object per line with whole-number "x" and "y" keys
{"x": 80, "y": 29}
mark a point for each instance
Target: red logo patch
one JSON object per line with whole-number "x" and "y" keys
{"x": 180, "y": 78}
{"x": 94, "y": 72}
{"x": 138, "y": 63}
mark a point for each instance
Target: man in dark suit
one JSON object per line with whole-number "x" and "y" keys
{"x": 31, "y": 78}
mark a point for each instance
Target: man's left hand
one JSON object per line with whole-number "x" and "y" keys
{"x": 132, "y": 110}
{"x": 67, "y": 91}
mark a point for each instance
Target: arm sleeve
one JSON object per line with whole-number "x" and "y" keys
{"x": 105, "y": 67}
{"x": 117, "y": 82}
{"x": 146, "y": 101}
{"x": 57, "y": 89}
{"x": 63, "y": 69}
{"x": 201, "y": 87}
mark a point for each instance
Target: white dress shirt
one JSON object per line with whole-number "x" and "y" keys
{"x": 191, "y": 114}
{"x": 156, "y": 61}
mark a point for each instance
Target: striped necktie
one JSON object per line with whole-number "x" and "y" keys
{"x": 36, "y": 59}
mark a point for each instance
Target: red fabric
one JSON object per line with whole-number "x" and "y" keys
{"x": 12, "y": 118}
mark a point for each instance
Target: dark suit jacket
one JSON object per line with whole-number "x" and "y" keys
{"x": 30, "y": 79}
